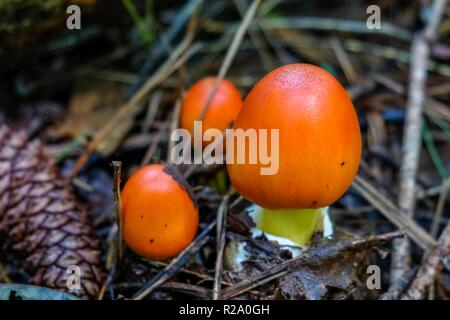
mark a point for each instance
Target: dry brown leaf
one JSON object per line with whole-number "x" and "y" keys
{"x": 332, "y": 269}
{"x": 90, "y": 109}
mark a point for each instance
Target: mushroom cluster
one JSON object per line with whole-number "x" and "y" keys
{"x": 319, "y": 153}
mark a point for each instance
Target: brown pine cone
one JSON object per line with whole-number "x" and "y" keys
{"x": 42, "y": 219}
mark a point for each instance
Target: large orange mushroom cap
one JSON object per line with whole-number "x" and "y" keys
{"x": 160, "y": 216}
{"x": 221, "y": 112}
{"x": 319, "y": 139}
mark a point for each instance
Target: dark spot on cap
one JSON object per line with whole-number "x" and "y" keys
{"x": 328, "y": 187}
{"x": 175, "y": 174}
{"x": 315, "y": 202}
{"x": 342, "y": 163}
{"x": 141, "y": 216}
{"x": 152, "y": 240}
{"x": 165, "y": 226}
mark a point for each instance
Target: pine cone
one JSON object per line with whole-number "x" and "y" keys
{"x": 42, "y": 219}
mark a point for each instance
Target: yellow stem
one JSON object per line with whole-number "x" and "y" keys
{"x": 297, "y": 225}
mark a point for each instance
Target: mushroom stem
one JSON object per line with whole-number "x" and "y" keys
{"x": 297, "y": 225}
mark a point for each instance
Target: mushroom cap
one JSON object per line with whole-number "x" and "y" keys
{"x": 222, "y": 111}
{"x": 319, "y": 139}
{"x": 160, "y": 216}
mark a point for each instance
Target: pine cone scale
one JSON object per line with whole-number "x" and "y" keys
{"x": 42, "y": 219}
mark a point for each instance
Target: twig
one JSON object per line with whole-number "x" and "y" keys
{"x": 393, "y": 213}
{"x": 115, "y": 237}
{"x": 173, "y": 126}
{"x": 152, "y": 147}
{"x": 184, "y": 288}
{"x": 257, "y": 40}
{"x": 344, "y": 60}
{"x": 324, "y": 24}
{"x": 221, "y": 236}
{"x": 432, "y": 106}
{"x": 392, "y": 53}
{"x": 267, "y": 277}
{"x": 79, "y": 140}
{"x": 111, "y": 262}
{"x": 430, "y": 268}
{"x": 175, "y": 113}
{"x": 231, "y": 53}
{"x": 176, "y": 264}
{"x": 394, "y": 291}
{"x": 202, "y": 276}
{"x": 152, "y": 109}
{"x": 439, "y": 208}
{"x": 188, "y": 10}
{"x": 259, "y": 279}
{"x": 420, "y": 53}
{"x": 117, "y": 165}
{"x": 189, "y": 289}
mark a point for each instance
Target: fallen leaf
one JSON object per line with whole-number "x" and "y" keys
{"x": 90, "y": 109}
{"x": 332, "y": 269}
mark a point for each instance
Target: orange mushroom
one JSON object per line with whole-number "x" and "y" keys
{"x": 160, "y": 216}
{"x": 319, "y": 148}
{"x": 221, "y": 112}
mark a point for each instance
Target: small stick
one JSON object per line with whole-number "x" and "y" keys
{"x": 321, "y": 24}
{"x": 258, "y": 41}
{"x": 117, "y": 165}
{"x": 176, "y": 264}
{"x": 152, "y": 109}
{"x": 153, "y": 146}
{"x": 173, "y": 126}
{"x": 231, "y": 53}
{"x": 111, "y": 263}
{"x": 439, "y": 208}
{"x": 393, "y": 213}
{"x": 420, "y": 54}
{"x": 394, "y": 291}
{"x": 189, "y": 289}
{"x": 221, "y": 236}
{"x": 344, "y": 60}
{"x": 242, "y": 287}
{"x": 431, "y": 266}
{"x": 201, "y": 276}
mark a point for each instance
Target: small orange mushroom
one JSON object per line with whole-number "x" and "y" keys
{"x": 160, "y": 216}
{"x": 221, "y": 112}
{"x": 319, "y": 147}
